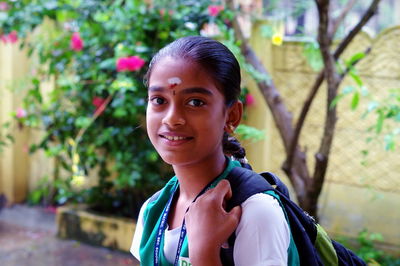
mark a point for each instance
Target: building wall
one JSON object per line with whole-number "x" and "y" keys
{"x": 14, "y": 158}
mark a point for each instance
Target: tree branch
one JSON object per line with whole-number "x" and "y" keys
{"x": 347, "y": 70}
{"x": 336, "y": 23}
{"x": 357, "y": 28}
{"x": 332, "y": 78}
{"x": 302, "y": 118}
{"x": 281, "y": 115}
{"x": 320, "y": 78}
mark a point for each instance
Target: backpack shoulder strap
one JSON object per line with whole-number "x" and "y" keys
{"x": 245, "y": 183}
{"x": 276, "y": 183}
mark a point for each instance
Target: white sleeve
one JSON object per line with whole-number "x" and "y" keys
{"x": 263, "y": 235}
{"x": 138, "y": 233}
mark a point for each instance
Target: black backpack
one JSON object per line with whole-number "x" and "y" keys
{"x": 313, "y": 244}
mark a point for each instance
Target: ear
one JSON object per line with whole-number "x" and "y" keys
{"x": 234, "y": 115}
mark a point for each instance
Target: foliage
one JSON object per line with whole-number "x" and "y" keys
{"x": 94, "y": 118}
{"x": 387, "y": 111}
{"x": 365, "y": 248}
{"x": 7, "y": 139}
{"x": 250, "y": 133}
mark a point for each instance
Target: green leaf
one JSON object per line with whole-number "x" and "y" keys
{"x": 101, "y": 17}
{"x": 83, "y": 122}
{"x": 356, "y": 78}
{"x": 355, "y": 100}
{"x": 250, "y": 133}
{"x": 120, "y": 112}
{"x": 35, "y": 197}
{"x": 107, "y": 64}
{"x": 356, "y": 57}
{"x": 122, "y": 83}
{"x": 379, "y": 122}
{"x": 389, "y": 142}
{"x": 65, "y": 15}
{"x": 10, "y": 138}
{"x": 313, "y": 55}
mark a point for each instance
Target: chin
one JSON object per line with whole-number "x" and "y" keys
{"x": 175, "y": 160}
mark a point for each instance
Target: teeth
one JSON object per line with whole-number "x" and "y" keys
{"x": 174, "y": 138}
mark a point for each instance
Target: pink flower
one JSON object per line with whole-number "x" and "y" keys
{"x": 4, "y": 38}
{"x": 214, "y": 10}
{"x": 51, "y": 209}
{"x": 131, "y": 63}
{"x": 21, "y": 113}
{"x": 12, "y": 37}
{"x": 98, "y": 103}
{"x": 76, "y": 42}
{"x": 3, "y": 6}
{"x": 25, "y": 148}
{"x": 250, "y": 99}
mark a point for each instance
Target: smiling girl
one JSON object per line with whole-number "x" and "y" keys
{"x": 193, "y": 108}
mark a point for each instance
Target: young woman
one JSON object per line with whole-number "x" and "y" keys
{"x": 193, "y": 108}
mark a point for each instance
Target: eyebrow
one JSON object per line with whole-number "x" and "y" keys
{"x": 184, "y": 91}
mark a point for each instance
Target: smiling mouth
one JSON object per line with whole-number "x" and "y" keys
{"x": 175, "y": 138}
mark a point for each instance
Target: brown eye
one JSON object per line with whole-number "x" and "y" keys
{"x": 196, "y": 102}
{"x": 157, "y": 100}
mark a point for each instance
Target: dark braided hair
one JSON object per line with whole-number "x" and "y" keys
{"x": 220, "y": 64}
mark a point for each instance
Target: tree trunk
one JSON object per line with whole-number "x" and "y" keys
{"x": 307, "y": 187}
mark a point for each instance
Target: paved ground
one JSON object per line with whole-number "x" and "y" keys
{"x": 27, "y": 237}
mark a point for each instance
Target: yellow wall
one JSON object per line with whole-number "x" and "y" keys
{"x": 14, "y": 159}
{"x": 354, "y": 196}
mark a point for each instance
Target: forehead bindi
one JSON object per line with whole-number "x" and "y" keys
{"x": 173, "y": 82}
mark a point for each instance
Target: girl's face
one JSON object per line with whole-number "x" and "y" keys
{"x": 186, "y": 113}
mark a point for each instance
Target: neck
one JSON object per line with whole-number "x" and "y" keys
{"x": 194, "y": 177}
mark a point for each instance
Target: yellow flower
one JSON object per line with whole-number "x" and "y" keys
{"x": 71, "y": 142}
{"x": 277, "y": 39}
{"x": 75, "y": 168}
{"x": 75, "y": 159}
{"x": 78, "y": 180}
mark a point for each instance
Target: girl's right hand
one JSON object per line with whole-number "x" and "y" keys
{"x": 209, "y": 225}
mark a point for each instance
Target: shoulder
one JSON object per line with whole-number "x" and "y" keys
{"x": 262, "y": 205}
{"x": 263, "y": 209}
{"x": 138, "y": 232}
{"x": 263, "y": 235}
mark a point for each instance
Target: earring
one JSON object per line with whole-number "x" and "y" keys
{"x": 229, "y": 128}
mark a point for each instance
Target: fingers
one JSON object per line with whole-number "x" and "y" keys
{"x": 221, "y": 192}
{"x": 236, "y": 213}
{"x": 232, "y": 219}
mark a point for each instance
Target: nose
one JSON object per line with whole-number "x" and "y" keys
{"x": 174, "y": 116}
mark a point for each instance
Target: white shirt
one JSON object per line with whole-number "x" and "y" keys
{"x": 262, "y": 236}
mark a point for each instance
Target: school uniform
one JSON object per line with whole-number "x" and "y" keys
{"x": 262, "y": 235}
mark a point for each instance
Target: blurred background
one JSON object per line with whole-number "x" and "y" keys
{"x": 75, "y": 161}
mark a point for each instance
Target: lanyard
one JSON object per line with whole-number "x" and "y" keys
{"x": 163, "y": 225}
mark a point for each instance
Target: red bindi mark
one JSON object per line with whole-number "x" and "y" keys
{"x": 173, "y": 82}
{"x": 171, "y": 86}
